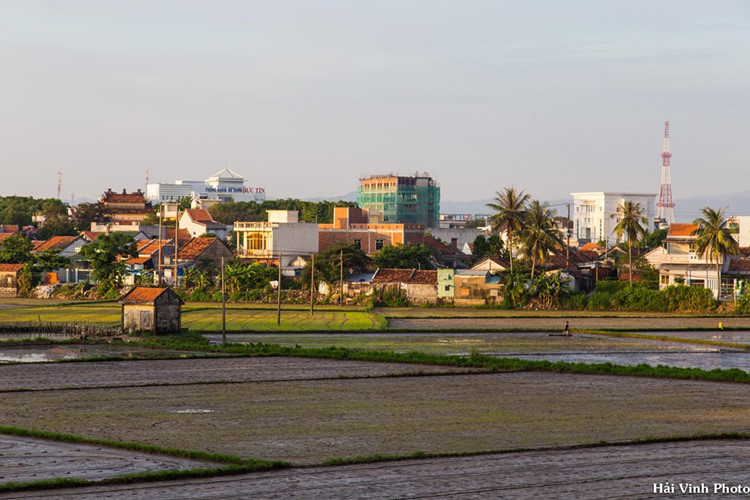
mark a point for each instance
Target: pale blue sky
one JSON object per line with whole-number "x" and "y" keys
{"x": 304, "y": 97}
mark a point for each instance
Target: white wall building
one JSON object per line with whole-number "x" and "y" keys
{"x": 281, "y": 234}
{"x": 224, "y": 185}
{"x": 595, "y": 214}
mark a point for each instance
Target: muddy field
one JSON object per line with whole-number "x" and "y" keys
{"x": 307, "y": 421}
{"x": 92, "y": 374}
{"x": 28, "y": 459}
{"x": 592, "y": 473}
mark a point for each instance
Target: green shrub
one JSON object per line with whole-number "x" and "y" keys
{"x": 606, "y": 286}
{"x": 577, "y": 302}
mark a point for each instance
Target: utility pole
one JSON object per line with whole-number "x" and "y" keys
{"x": 342, "y": 277}
{"x": 223, "y": 306}
{"x": 312, "y": 286}
{"x": 158, "y": 273}
{"x": 278, "y": 295}
{"x": 567, "y": 232}
{"x": 176, "y": 240}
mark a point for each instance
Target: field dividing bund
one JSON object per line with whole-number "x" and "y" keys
{"x": 311, "y": 421}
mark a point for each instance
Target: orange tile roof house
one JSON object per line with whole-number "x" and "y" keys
{"x": 199, "y": 221}
{"x": 200, "y": 252}
{"x": 151, "y": 309}
{"x": 681, "y": 264}
{"x": 126, "y": 206}
{"x": 68, "y": 246}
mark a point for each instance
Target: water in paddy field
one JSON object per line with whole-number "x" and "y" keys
{"x": 681, "y": 355}
{"x": 46, "y": 353}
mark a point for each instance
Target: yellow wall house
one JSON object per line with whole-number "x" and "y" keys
{"x": 150, "y": 309}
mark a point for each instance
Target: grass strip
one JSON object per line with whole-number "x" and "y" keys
{"x": 125, "y": 445}
{"x": 632, "y": 334}
{"x": 639, "y": 441}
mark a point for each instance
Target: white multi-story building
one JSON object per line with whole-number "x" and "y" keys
{"x": 596, "y": 214}
{"x": 224, "y": 185}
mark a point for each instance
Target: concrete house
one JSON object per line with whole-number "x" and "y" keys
{"x": 154, "y": 310}
{"x": 9, "y": 279}
{"x": 477, "y": 287}
{"x": 282, "y": 234}
{"x": 199, "y": 222}
{"x": 681, "y": 264}
{"x": 420, "y": 287}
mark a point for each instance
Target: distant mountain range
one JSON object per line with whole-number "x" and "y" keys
{"x": 686, "y": 209}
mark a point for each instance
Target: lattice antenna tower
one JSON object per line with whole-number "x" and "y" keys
{"x": 59, "y": 185}
{"x": 665, "y": 205}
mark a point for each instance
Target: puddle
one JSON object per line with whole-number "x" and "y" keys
{"x": 191, "y": 410}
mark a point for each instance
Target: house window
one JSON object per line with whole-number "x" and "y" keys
{"x": 664, "y": 279}
{"x": 698, "y": 283}
{"x": 256, "y": 241}
{"x": 379, "y": 243}
{"x": 447, "y": 288}
{"x": 358, "y": 243}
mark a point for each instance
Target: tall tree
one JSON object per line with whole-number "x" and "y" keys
{"x": 509, "y": 206}
{"x": 16, "y": 249}
{"x": 539, "y": 234}
{"x": 404, "y": 257}
{"x": 106, "y": 255}
{"x": 714, "y": 238}
{"x": 631, "y": 226}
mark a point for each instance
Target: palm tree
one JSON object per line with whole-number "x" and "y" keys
{"x": 510, "y": 206}
{"x": 714, "y": 238}
{"x": 630, "y": 225}
{"x": 539, "y": 234}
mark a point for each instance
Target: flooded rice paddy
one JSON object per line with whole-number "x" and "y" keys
{"x": 580, "y": 348}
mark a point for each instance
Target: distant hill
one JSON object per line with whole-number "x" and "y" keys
{"x": 686, "y": 209}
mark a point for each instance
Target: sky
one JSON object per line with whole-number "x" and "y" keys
{"x": 306, "y": 97}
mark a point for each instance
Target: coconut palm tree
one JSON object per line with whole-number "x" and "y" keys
{"x": 539, "y": 234}
{"x": 714, "y": 238}
{"x": 509, "y": 206}
{"x": 631, "y": 226}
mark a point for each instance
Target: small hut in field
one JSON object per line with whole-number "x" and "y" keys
{"x": 151, "y": 309}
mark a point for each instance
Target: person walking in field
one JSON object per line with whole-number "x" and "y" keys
{"x": 566, "y": 329}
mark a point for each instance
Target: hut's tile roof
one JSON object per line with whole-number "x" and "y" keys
{"x": 12, "y": 268}
{"x": 142, "y": 294}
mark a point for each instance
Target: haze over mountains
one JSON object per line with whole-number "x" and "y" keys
{"x": 686, "y": 209}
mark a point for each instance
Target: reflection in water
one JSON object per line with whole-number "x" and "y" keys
{"x": 691, "y": 359}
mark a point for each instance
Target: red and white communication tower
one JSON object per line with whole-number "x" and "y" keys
{"x": 665, "y": 205}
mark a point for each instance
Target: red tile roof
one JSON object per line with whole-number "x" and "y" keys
{"x": 423, "y": 278}
{"x": 5, "y": 236}
{"x": 392, "y": 275}
{"x": 91, "y": 235}
{"x": 411, "y": 276}
{"x": 739, "y": 265}
{"x": 55, "y": 243}
{"x": 682, "y": 230}
{"x": 199, "y": 215}
{"x": 112, "y": 197}
{"x": 10, "y": 268}
{"x": 10, "y": 228}
{"x": 137, "y": 260}
{"x": 142, "y": 295}
{"x": 195, "y": 247}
